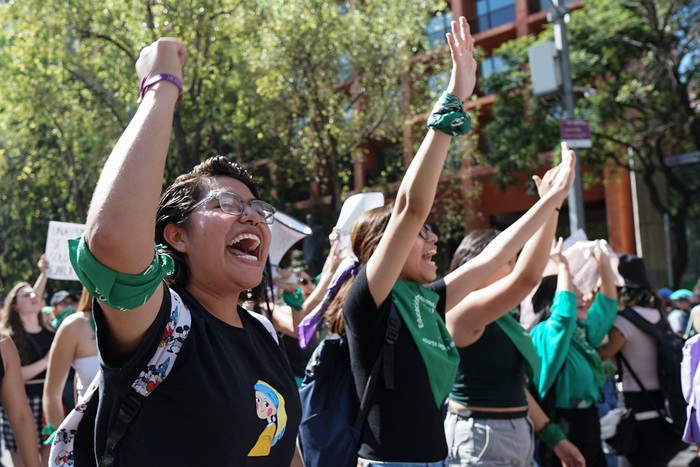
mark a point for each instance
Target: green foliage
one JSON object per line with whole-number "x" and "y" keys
{"x": 278, "y": 81}
{"x": 635, "y": 66}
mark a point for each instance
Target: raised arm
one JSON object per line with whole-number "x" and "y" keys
{"x": 467, "y": 319}
{"x": 503, "y": 248}
{"x": 14, "y": 400}
{"x": 417, "y": 190}
{"x": 121, "y": 221}
{"x": 602, "y": 255}
{"x": 332, "y": 262}
{"x": 40, "y": 283}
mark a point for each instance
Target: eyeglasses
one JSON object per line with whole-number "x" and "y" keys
{"x": 425, "y": 232}
{"x": 303, "y": 281}
{"x": 231, "y": 203}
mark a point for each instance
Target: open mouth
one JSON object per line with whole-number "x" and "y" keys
{"x": 428, "y": 256}
{"x": 245, "y": 246}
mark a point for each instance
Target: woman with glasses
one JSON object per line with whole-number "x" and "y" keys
{"x": 24, "y": 322}
{"x": 394, "y": 251}
{"x": 212, "y": 238}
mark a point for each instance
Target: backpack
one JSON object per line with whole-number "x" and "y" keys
{"x": 151, "y": 376}
{"x": 669, "y": 348}
{"x": 332, "y": 416}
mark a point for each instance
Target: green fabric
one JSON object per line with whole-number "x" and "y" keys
{"x": 65, "y": 313}
{"x": 121, "y": 291}
{"x": 417, "y": 306}
{"x": 552, "y": 434}
{"x": 294, "y": 299}
{"x": 49, "y": 431}
{"x": 449, "y": 117}
{"x": 577, "y": 379}
{"x": 522, "y": 341}
{"x": 579, "y": 342}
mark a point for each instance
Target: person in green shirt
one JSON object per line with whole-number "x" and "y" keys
{"x": 566, "y": 341}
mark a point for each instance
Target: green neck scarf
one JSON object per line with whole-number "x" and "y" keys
{"x": 522, "y": 341}
{"x": 591, "y": 355}
{"x": 60, "y": 317}
{"x": 417, "y": 306}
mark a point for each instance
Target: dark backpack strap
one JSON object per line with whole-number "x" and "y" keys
{"x": 128, "y": 409}
{"x": 386, "y": 359}
{"x": 653, "y": 329}
{"x": 623, "y": 361}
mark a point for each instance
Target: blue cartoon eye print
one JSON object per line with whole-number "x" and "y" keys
{"x": 269, "y": 405}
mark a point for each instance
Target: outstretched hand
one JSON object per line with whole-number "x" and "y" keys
{"x": 166, "y": 55}
{"x": 557, "y": 254}
{"x": 558, "y": 180}
{"x": 461, "y": 42}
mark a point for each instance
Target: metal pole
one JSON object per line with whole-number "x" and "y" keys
{"x": 558, "y": 18}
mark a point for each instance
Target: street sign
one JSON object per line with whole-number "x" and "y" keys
{"x": 575, "y": 132}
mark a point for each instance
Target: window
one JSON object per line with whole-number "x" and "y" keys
{"x": 492, "y": 13}
{"x": 438, "y": 26}
{"x": 488, "y": 67}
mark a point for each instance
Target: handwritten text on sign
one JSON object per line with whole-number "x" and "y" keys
{"x": 57, "y": 249}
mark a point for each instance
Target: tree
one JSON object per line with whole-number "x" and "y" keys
{"x": 638, "y": 64}
{"x": 307, "y": 85}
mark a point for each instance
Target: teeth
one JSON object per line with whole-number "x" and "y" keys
{"x": 246, "y": 236}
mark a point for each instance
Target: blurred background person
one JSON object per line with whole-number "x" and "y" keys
{"x": 73, "y": 347}
{"x": 14, "y": 399}
{"x": 23, "y": 320}
{"x": 656, "y": 443}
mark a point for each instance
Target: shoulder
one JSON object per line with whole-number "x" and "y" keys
{"x": 266, "y": 323}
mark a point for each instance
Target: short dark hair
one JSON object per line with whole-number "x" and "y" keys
{"x": 176, "y": 205}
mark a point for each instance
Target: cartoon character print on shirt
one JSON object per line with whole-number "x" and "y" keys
{"x": 269, "y": 405}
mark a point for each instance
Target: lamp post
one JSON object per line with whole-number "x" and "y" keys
{"x": 557, "y": 17}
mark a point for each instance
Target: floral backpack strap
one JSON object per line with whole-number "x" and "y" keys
{"x": 158, "y": 368}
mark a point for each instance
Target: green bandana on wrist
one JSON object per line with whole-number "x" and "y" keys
{"x": 416, "y": 305}
{"x": 449, "y": 117}
{"x": 552, "y": 434}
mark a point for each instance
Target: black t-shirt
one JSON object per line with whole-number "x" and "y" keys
{"x": 210, "y": 410}
{"x": 403, "y": 424}
{"x": 38, "y": 346}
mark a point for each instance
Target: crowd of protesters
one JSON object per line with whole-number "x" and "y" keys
{"x": 476, "y": 380}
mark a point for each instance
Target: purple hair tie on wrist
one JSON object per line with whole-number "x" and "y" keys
{"x": 147, "y": 82}
{"x": 346, "y": 270}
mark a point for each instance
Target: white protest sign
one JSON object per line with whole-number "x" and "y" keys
{"x": 351, "y": 210}
{"x": 57, "y": 249}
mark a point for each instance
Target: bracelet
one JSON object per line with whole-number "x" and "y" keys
{"x": 49, "y": 431}
{"x": 449, "y": 116}
{"x": 147, "y": 82}
{"x": 551, "y": 434}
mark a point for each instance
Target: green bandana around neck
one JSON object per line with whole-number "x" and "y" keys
{"x": 590, "y": 354}
{"x": 61, "y": 316}
{"x": 417, "y": 306}
{"x": 522, "y": 341}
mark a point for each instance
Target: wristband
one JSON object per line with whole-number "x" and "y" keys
{"x": 147, "y": 82}
{"x": 449, "y": 117}
{"x": 49, "y": 431}
{"x": 552, "y": 434}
